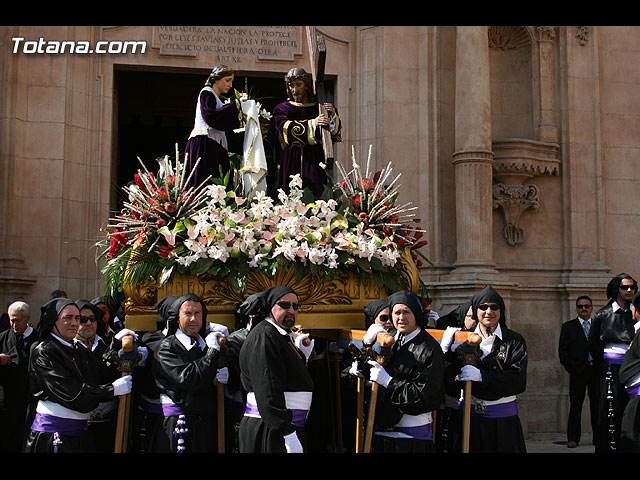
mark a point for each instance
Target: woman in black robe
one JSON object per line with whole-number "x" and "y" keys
{"x": 65, "y": 382}
{"x": 499, "y": 376}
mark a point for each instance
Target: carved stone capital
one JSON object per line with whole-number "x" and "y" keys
{"x": 517, "y": 158}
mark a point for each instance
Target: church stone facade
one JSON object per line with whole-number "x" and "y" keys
{"x": 519, "y": 145}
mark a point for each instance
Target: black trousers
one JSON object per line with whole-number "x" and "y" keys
{"x": 581, "y": 384}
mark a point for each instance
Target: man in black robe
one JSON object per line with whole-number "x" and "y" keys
{"x": 275, "y": 376}
{"x": 499, "y": 376}
{"x": 629, "y": 375}
{"x": 248, "y": 313}
{"x": 186, "y": 371}
{"x": 411, "y": 381}
{"x": 148, "y": 417}
{"x": 15, "y": 345}
{"x": 612, "y": 330}
{"x": 65, "y": 382}
{"x": 90, "y": 335}
{"x": 299, "y": 125}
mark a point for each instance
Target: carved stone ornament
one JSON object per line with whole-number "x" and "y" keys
{"x": 325, "y": 303}
{"x": 514, "y": 199}
{"x": 515, "y": 162}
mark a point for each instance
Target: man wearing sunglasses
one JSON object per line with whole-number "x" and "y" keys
{"x": 274, "y": 373}
{"x": 573, "y": 351}
{"x": 612, "y": 331}
{"x": 499, "y": 376}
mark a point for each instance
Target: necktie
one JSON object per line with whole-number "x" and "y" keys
{"x": 586, "y": 325}
{"x": 398, "y": 343}
{"x": 19, "y": 341}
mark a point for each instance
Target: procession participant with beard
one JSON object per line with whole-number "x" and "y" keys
{"x": 299, "y": 126}
{"x": 612, "y": 330}
{"x": 65, "y": 381}
{"x": 411, "y": 381}
{"x": 499, "y": 376}
{"x": 186, "y": 371}
{"x": 273, "y": 363}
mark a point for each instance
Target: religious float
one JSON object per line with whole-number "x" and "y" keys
{"x": 339, "y": 252}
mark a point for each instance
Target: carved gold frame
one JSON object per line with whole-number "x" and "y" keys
{"x": 326, "y": 303}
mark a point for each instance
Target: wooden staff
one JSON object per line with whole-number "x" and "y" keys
{"x": 222, "y": 362}
{"x": 470, "y": 354}
{"x": 126, "y": 363}
{"x": 385, "y": 339}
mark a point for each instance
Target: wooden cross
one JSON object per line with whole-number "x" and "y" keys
{"x": 317, "y": 57}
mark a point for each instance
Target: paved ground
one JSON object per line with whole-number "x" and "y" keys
{"x": 556, "y": 443}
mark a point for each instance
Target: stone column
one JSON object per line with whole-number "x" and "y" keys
{"x": 473, "y": 156}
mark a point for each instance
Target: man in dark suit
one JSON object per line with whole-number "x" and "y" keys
{"x": 573, "y": 350}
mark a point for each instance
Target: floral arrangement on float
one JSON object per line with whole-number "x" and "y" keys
{"x": 163, "y": 228}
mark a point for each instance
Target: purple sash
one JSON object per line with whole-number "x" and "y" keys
{"x": 65, "y": 426}
{"x": 150, "y": 407}
{"x": 171, "y": 410}
{"x": 497, "y": 410}
{"x": 298, "y": 417}
{"x": 613, "y": 358}
{"x": 421, "y": 432}
{"x": 633, "y": 391}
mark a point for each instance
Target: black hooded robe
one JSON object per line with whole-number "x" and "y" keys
{"x": 273, "y": 370}
{"x": 504, "y": 374}
{"x": 187, "y": 378}
{"x": 67, "y": 376}
{"x": 415, "y": 391}
{"x": 14, "y": 381}
{"x": 607, "y": 328}
{"x": 630, "y": 421}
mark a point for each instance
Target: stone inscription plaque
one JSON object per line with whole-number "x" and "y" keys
{"x": 230, "y": 44}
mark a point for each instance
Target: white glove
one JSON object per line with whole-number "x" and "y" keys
{"x": 369, "y": 338}
{"x": 223, "y": 375}
{"x": 217, "y": 327}
{"x": 144, "y": 351}
{"x": 292, "y": 443}
{"x": 212, "y": 340}
{"x": 354, "y": 370}
{"x": 433, "y": 315}
{"x": 447, "y": 338}
{"x": 124, "y": 332}
{"x": 379, "y": 374}
{"x": 469, "y": 372}
{"x": 305, "y": 349}
{"x": 122, "y": 385}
